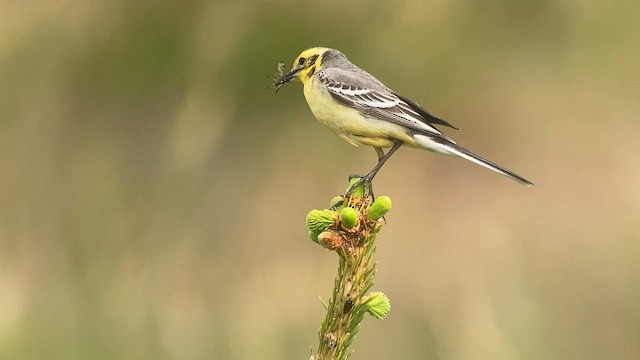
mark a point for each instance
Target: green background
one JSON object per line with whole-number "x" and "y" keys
{"x": 153, "y": 190}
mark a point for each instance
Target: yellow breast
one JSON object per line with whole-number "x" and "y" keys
{"x": 349, "y": 123}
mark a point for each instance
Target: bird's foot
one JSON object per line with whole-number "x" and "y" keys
{"x": 359, "y": 185}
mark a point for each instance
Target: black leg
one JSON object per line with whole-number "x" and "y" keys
{"x": 382, "y": 160}
{"x": 367, "y": 179}
{"x": 379, "y": 152}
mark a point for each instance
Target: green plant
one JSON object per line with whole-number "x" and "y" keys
{"x": 350, "y": 229}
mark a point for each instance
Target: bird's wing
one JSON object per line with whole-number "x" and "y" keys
{"x": 368, "y": 95}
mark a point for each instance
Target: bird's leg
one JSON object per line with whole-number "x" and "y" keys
{"x": 366, "y": 180}
{"x": 369, "y": 186}
{"x": 379, "y": 152}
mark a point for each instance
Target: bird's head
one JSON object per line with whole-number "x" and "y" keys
{"x": 308, "y": 63}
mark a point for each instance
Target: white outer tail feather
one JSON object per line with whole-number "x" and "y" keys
{"x": 428, "y": 143}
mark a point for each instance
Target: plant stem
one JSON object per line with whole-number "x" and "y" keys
{"x": 355, "y": 247}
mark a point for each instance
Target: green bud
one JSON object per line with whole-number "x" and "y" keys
{"x": 378, "y": 305}
{"x": 379, "y": 207}
{"x": 353, "y": 180}
{"x": 314, "y": 235}
{"x": 320, "y": 220}
{"x": 349, "y": 217}
{"x": 337, "y": 201}
{"x": 358, "y": 190}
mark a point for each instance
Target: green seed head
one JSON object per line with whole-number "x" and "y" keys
{"x": 349, "y": 217}
{"x": 358, "y": 190}
{"x": 338, "y": 200}
{"x": 320, "y": 220}
{"x": 378, "y": 305}
{"x": 379, "y": 207}
{"x": 314, "y": 236}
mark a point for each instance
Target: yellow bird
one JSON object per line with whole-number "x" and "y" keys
{"x": 363, "y": 111}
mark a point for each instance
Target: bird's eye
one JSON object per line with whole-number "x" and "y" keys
{"x": 301, "y": 61}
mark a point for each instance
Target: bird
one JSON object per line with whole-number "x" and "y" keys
{"x": 361, "y": 110}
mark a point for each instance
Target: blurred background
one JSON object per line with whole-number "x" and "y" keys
{"x": 153, "y": 190}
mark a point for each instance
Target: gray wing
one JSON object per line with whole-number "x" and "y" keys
{"x": 370, "y": 96}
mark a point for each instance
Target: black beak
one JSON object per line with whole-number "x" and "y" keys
{"x": 288, "y": 77}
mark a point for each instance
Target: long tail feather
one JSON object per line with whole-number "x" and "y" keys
{"x": 447, "y": 147}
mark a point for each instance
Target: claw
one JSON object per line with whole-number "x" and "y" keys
{"x": 363, "y": 181}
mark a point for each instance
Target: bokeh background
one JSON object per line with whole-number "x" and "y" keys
{"x": 153, "y": 190}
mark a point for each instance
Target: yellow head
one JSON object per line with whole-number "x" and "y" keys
{"x": 309, "y": 61}
{"x": 305, "y": 65}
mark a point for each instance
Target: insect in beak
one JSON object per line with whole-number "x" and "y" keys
{"x": 285, "y": 78}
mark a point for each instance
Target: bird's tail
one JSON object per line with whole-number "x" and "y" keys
{"x": 445, "y": 146}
